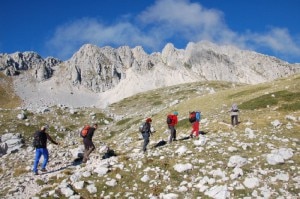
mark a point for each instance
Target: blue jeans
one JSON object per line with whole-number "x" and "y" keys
{"x": 38, "y": 153}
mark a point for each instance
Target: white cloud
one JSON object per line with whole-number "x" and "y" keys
{"x": 168, "y": 21}
{"x": 69, "y": 37}
{"x": 277, "y": 39}
{"x": 180, "y": 17}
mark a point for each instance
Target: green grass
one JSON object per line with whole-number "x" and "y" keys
{"x": 273, "y": 99}
{"x": 290, "y": 107}
{"x": 260, "y": 104}
{"x": 248, "y": 92}
{"x": 40, "y": 182}
{"x": 157, "y": 103}
{"x": 124, "y": 121}
{"x": 184, "y": 124}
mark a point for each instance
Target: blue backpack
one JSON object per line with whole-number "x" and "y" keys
{"x": 195, "y": 116}
{"x": 198, "y": 116}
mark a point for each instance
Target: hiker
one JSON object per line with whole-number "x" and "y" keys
{"x": 88, "y": 143}
{"x": 146, "y": 131}
{"x": 172, "y": 121}
{"x": 234, "y": 113}
{"x": 194, "y": 118}
{"x": 40, "y": 143}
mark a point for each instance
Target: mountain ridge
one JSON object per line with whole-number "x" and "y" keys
{"x": 110, "y": 74}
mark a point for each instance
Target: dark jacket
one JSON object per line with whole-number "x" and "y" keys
{"x": 146, "y": 128}
{"x": 87, "y": 141}
{"x": 42, "y": 136}
{"x": 90, "y": 134}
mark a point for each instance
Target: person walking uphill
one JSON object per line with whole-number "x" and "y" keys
{"x": 89, "y": 146}
{"x": 146, "y": 131}
{"x": 40, "y": 143}
{"x": 172, "y": 121}
{"x": 194, "y": 118}
{"x": 234, "y": 113}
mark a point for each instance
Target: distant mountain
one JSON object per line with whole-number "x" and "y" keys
{"x": 13, "y": 64}
{"x": 124, "y": 71}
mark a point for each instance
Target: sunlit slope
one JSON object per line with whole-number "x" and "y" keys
{"x": 8, "y": 98}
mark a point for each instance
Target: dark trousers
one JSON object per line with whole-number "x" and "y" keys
{"x": 89, "y": 147}
{"x": 173, "y": 133}
{"x": 234, "y": 120}
{"x": 146, "y": 137}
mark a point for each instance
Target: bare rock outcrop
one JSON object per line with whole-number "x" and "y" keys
{"x": 10, "y": 143}
{"x": 121, "y": 72}
{"x": 40, "y": 68}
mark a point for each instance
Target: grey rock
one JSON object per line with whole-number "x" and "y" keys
{"x": 3, "y": 148}
{"x": 79, "y": 185}
{"x": 276, "y": 123}
{"x": 236, "y": 161}
{"x": 101, "y": 171}
{"x": 92, "y": 188}
{"x": 13, "y": 142}
{"x": 278, "y": 156}
{"x": 67, "y": 191}
{"x": 218, "y": 192}
{"x": 251, "y": 182}
{"x": 274, "y": 159}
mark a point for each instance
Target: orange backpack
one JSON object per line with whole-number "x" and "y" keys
{"x": 85, "y": 131}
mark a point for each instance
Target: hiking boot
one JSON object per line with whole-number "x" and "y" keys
{"x": 35, "y": 173}
{"x": 44, "y": 170}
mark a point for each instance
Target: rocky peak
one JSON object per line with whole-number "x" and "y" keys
{"x": 102, "y": 69}
{"x": 40, "y": 68}
{"x": 91, "y": 68}
{"x": 172, "y": 57}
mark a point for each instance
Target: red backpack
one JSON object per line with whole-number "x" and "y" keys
{"x": 169, "y": 119}
{"x": 194, "y": 116}
{"x": 84, "y": 131}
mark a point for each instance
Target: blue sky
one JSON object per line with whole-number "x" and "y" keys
{"x": 59, "y": 28}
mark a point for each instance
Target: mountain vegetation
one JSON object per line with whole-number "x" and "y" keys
{"x": 259, "y": 158}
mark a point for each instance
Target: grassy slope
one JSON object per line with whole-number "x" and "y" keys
{"x": 214, "y": 108}
{"x": 156, "y": 104}
{"x": 7, "y": 97}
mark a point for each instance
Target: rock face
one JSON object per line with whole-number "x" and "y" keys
{"x": 101, "y": 69}
{"x": 10, "y": 143}
{"x": 93, "y": 69}
{"x": 40, "y": 68}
